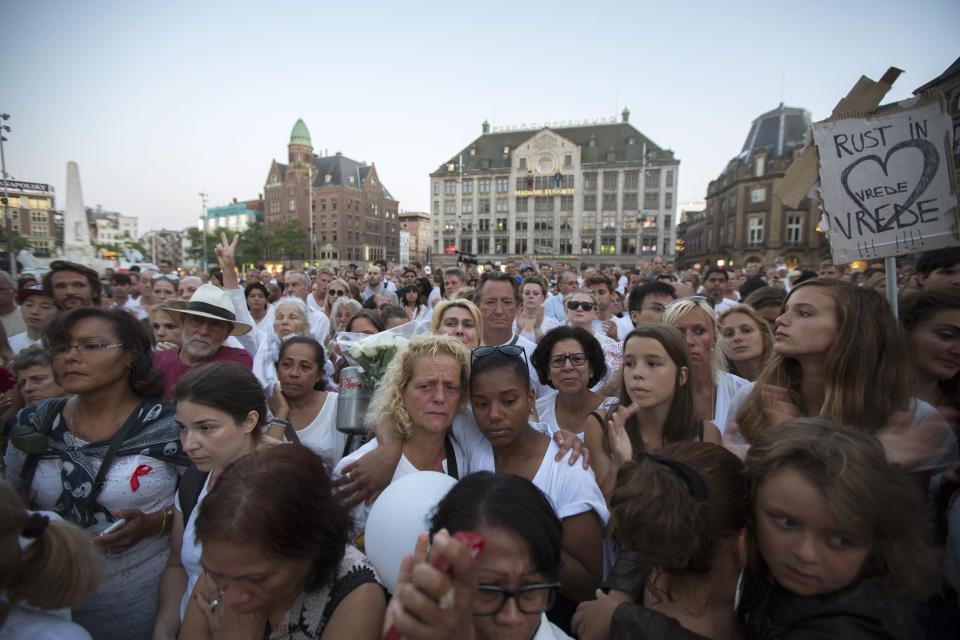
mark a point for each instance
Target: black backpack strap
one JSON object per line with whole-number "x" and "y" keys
{"x": 452, "y": 470}
{"x": 111, "y": 453}
{"x": 33, "y": 459}
{"x": 191, "y": 484}
{"x": 290, "y": 433}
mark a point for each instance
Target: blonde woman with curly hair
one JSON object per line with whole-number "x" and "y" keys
{"x": 424, "y": 387}
{"x": 56, "y": 567}
{"x": 713, "y": 386}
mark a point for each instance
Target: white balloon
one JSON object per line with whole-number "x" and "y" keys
{"x": 398, "y": 516}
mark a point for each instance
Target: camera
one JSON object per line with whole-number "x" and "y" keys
{"x": 467, "y": 258}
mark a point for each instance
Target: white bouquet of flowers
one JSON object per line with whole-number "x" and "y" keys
{"x": 374, "y": 352}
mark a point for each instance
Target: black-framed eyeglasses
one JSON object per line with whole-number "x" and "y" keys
{"x": 532, "y": 599}
{"x": 511, "y": 350}
{"x": 573, "y": 305}
{"x": 82, "y": 349}
{"x": 576, "y": 359}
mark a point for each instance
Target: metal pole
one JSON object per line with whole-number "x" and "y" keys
{"x": 11, "y": 250}
{"x": 203, "y": 231}
{"x": 890, "y": 270}
{"x": 313, "y": 242}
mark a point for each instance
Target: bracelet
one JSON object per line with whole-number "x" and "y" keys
{"x": 163, "y": 523}
{"x": 280, "y": 421}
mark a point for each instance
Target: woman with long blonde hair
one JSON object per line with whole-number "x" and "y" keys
{"x": 839, "y": 354}
{"x": 713, "y": 386}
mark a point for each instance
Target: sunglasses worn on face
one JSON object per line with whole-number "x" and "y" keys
{"x": 573, "y": 305}
{"x": 334, "y": 292}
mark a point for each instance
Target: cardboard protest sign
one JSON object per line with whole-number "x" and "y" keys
{"x": 886, "y": 182}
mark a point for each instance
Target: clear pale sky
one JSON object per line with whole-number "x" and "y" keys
{"x": 158, "y": 101}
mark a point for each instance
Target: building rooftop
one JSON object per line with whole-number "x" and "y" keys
{"x": 599, "y": 143}
{"x": 778, "y": 132}
{"x": 342, "y": 172}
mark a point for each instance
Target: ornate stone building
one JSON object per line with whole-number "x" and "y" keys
{"x": 597, "y": 192}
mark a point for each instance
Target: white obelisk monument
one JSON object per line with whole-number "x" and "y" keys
{"x": 76, "y": 233}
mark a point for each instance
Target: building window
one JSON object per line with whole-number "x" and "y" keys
{"x": 666, "y": 222}
{"x": 651, "y": 179}
{"x": 758, "y": 195}
{"x": 568, "y": 160}
{"x": 520, "y": 246}
{"x": 436, "y": 206}
{"x": 631, "y": 180}
{"x": 649, "y": 222}
{"x": 543, "y": 224}
{"x": 483, "y": 245}
{"x": 521, "y": 224}
{"x": 668, "y": 200}
{"x": 502, "y": 205}
{"x": 436, "y": 187}
{"x": 755, "y": 230}
{"x": 484, "y": 185}
{"x": 292, "y": 205}
{"x": 589, "y": 182}
{"x": 450, "y": 206}
{"x": 522, "y": 205}
{"x": 588, "y": 224}
{"x": 450, "y": 187}
{"x": 543, "y": 203}
{"x": 610, "y": 222}
{"x": 669, "y": 178}
{"x": 609, "y": 202}
{"x": 467, "y": 186}
{"x": 467, "y": 206}
{"x": 608, "y": 246}
{"x": 503, "y": 185}
{"x": 628, "y": 246}
{"x": 590, "y": 202}
{"x": 587, "y": 246}
{"x": 485, "y": 206}
{"x": 794, "y": 229}
{"x": 566, "y": 203}
{"x": 610, "y": 181}
{"x": 566, "y": 223}
{"x": 630, "y": 202}
{"x": 483, "y": 224}
{"x": 759, "y": 165}
{"x": 651, "y": 200}
{"x": 522, "y": 164}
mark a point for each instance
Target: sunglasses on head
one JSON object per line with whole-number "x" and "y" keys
{"x": 573, "y": 305}
{"x": 690, "y": 298}
{"x": 510, "y": 350}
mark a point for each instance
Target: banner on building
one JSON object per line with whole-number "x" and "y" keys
{"x": 404, "y": 247}
{"x": 886, "y": 182}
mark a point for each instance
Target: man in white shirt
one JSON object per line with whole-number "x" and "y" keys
{"x": 714, "y": 286}
{"x": 613, "y": 327}
{"x": 120, "y": 286}
{"x": 318, "y": 299}
{"x": 498, "y": 297}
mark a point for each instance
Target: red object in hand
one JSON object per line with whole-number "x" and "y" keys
{"x": 474, "y": 544}
{"x": 142, "y": 470}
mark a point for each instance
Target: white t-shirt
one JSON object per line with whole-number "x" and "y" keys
{"x": 572, "y": 490}
{"x": 24, "y": 622}
{"x": 921, "y": 413}
{"x": 547, "y": 411}
{"x": 21, "y": 341}
{"x": 404, "y": 467}
{"x": 727, "y": 387}
{"x": 321, "y": 435}
{"x": 190, "y": 548}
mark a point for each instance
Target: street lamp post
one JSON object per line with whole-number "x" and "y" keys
{"x": 6, "y": 199}
{"x": 203, "y": 228}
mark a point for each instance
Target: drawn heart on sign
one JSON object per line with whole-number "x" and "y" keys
{"x": 931, "y": 162}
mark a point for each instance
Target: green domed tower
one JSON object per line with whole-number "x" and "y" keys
{"x": 300, "y": 149}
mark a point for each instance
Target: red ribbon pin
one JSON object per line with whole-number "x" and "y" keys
{"x": 142, "y": 470}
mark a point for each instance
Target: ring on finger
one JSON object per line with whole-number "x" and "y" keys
{"x": 447, "y": 600}
{"x": 212, "y": 604}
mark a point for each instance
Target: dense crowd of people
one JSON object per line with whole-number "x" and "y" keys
{"x": 644, "y": 452}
